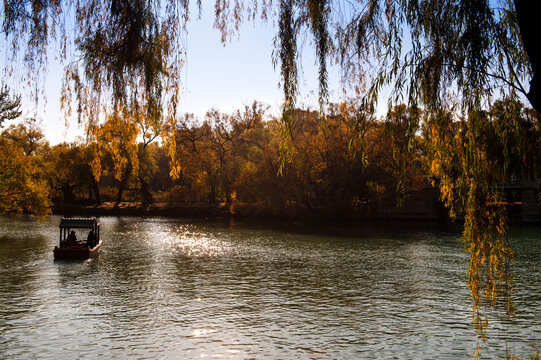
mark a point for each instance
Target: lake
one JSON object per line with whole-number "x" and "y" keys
{"x": 175, "y": 288}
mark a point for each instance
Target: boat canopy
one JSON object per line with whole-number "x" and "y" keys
{"x": 79, "y": 223}
{"x": 66, "y": 224}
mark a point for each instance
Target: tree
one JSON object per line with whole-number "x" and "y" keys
{"x": 461, "y": 50}
{"x": 91, "y": 158}
{"x": 26, "y": 135}
{"x": 401, "y": 124}
{"x": 230, "y": 139}
{"x": 118, "y": 137}
{"x": 192, "y": 161}
{"x": 22, "y": 183}
{"x": 9, "y": 106}
{"x": 68, "y": 170}
{"x": 515, "y": 134}
{"x": 214, "y": 151}
{"x": 151, "y": 125}
{"x": 460, "y": 54}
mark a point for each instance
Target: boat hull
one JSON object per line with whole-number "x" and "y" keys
{"x": 75, "y": 252}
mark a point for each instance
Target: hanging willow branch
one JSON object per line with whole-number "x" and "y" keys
{"x": 446, "y": 56}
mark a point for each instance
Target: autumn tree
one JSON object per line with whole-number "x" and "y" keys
{"x": 22, "y": 182}
{"x": 450, "y": 57}
{"x": 22, "y": 188}
{"x": 232, "y": 139}
{"x": 117, "y": 55}
{"x": 68, "y": 172}
{"x": 344, "y": 151}
{"x": 515, "y": 144}
{"x": 92, "y": 153}
{"x": 118, "y": 137}
{"x": 401, "y": 125}
{"x": 160, "y": 180}
{"x": 214, "y": 151}
{"x": 193, "y": 162}
{"x": 27, "y": 135}
{"x": 150, "y": 124}
{"x": 256, "y": 132}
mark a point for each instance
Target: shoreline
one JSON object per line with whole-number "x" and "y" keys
{"x": 248, "y": 211}
{"x": 365, "y": 212}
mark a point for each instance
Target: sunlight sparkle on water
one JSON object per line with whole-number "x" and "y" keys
{"x": 183, "y": 239}
{"x": 202, "y": 332}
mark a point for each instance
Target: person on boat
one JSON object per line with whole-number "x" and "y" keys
{"x": 72, "y": 239}
{"x": 90, "y": 239}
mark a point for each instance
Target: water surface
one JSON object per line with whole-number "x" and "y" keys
{"x": 169, "y": 288}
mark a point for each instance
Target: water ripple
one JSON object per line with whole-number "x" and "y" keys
{"x": 164, "y": 288}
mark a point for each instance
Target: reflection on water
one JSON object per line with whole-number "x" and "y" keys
{"x": 163, "y": 288}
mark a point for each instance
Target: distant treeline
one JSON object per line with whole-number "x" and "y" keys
{"x": 337, "y": 160}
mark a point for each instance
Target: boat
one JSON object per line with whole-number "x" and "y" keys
{"x": 70, "y": 247}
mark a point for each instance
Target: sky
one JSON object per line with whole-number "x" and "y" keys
{"x": 225, "y": 77}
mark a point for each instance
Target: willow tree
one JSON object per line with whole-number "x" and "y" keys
{"x": 450, "y": 57}
{"x": 115, "y": 54}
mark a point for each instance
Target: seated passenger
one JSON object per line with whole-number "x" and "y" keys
{"x": 72, "y": 239}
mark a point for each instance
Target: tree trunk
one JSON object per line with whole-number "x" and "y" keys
{"x": 228, "y": 197}
{"x": 146, "y": 196}
{"x": 95, "y": 188}
{"x": 528, "y": 23}
{"x": 67, "y": 193}
{"x": 123, "y": 183}
{"x": 212, "y": 195}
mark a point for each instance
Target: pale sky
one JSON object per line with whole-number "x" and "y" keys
{"x": 225, "y": 77}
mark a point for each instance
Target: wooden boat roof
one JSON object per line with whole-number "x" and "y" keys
{"x": 84, "y": 223}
